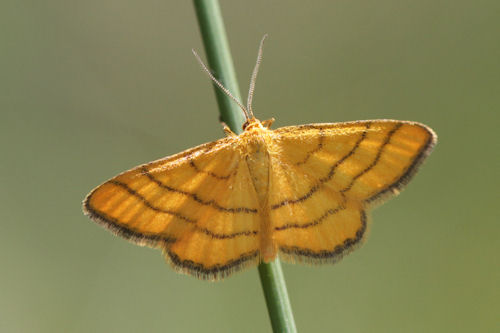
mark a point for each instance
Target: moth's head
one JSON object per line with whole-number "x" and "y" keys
{"x": 254, "y": 123}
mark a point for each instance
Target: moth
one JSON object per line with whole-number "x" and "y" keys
{"x": 300, "y": 193}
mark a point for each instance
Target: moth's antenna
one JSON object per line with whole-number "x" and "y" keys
{"x": 254, "y": 77}
{"x": 224, "y": 89}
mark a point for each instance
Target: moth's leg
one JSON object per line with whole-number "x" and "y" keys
{"x": 267, "y": 123}
{"x": 226, "y": 128}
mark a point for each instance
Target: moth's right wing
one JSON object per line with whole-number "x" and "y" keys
{"x": 324, "y": 176}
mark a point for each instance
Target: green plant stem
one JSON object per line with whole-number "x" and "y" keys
{"x": 278, "y": 304}
{"x": 220, "y": 62}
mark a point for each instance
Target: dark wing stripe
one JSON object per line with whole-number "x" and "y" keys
{"x": 375, "y": 161}
{"x": 149, "y": 204}
{"x": 210, "y": 173}
{"x": 227, "y": 236}
{"x": 321, "y": 219}
{"x": 321, "y": 135}
{"x": 175, "y": 214}
{"x": 336, "y": 253}
{"x": 193, "y": 196}
{"x": 317, "y": 186}
{"x": 410, "y": 171}
{"x": 208, "y": 149}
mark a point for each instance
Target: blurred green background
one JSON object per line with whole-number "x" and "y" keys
{"x": 91, "y": 88}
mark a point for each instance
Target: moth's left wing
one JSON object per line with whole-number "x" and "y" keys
{"x": 199, "y": 206}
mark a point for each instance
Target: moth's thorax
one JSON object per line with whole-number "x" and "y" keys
{"x": 256, "y": 144}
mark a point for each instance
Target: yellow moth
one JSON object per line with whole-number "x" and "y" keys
{"x": 301, "y": 192}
